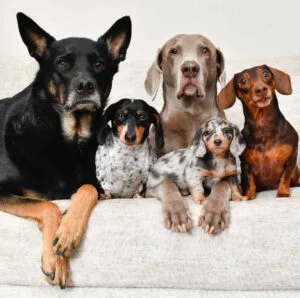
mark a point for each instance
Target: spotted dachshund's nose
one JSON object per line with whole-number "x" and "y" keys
{"x": 130, "y": 138}
{"x": 85, "y": 87}
{"x": 190, "y": 69}
{"x": 261, "y": 90}
{"x": 217, "y": 142}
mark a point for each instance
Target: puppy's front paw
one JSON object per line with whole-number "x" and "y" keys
{"x": 106, "y": 195}
{"x": 198, "y": 196}
{"x": 176, "y": 217}
{"x": 214, "y": 215}
{"x": 138, "y": 196}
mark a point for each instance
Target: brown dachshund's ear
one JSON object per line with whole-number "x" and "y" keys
{"x": 227, "y": 96}
{"x": 154, "y": 75}
{"x": 159, "y": 132}
{"x": 282, "y": 81}
{"x": 198, "y": 144}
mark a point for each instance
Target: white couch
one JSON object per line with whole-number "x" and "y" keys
{"x": 127, "y": 251}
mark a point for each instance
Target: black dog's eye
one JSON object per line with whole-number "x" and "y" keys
{"x": 62, "y": 64}
{"x": 205, "y": 50}
{"x": 173, "y": 51}
{"x": 265, "y": 74}
{"x": 99, "y": 64}
{"x": 120, "y": 116}
{"x": 243, "y": 81}
{"x": 143, "y": 117}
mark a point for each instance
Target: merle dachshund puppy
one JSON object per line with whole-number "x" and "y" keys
{"x": 209, "y": 159}
{"x": 47, "y": 136}
{"x": 125, "y": 155}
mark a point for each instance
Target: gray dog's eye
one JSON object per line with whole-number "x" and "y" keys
{"x": 173, "y": 51}
{"x": 205, "y": 50}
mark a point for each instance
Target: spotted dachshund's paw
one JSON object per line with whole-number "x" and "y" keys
{"x": 138, "y": 196}
{"x": 214, "y": 215}
{"x": 176, "y": 217}
{"x": 198, "y": 196}
{"x": 68, "y": 235}
{"x": 106, "y": 195}
{"x": 54, "y": 268}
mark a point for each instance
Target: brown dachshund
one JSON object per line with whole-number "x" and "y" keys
{"x": 269, "y": 161}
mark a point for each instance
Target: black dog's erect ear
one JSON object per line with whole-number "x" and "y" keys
{"x": 35, "y": 38}
{"x": 159, "y": 132}
{"x": 118, "y": 38}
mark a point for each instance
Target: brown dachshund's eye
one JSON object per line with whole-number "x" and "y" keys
{"x": 99, "y": 64}
{"x": 243, "y": 81}
{"x": 62, "y": 64}
{"x": 266, "y": 74}
{"x": 173, "y": 51}
{"x": 205, "y": 50}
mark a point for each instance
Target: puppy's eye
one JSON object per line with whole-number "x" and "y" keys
{"x": 206, "y": 133}
{"x": 62, "y": 64}
{"x": 266, "y": 74}
{"x": 173, "y": 51}
{"x": 227, "y": 131}
{"x": 99, "y": 64}
{"x": 243, "y": 81}
{"x": 205, "y": 50}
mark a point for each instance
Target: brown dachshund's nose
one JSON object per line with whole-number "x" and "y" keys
{"x": 217, "y": 142}
{"x": 190, "y": 69}
{"x": 261, "y": 90}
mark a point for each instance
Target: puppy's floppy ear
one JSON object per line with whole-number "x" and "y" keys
{"x": 159, "y": 132}
{"x": 227, "y": 96}
{"x": 35, "y": 38}
{"x": 198, "y": 144}
{"x": 104, "y": 128}
{"x": 282, "y": 81}
{"x": 238, "y": 143}
{"x": 154, "y": 75}
{"x": 118, "y": 38}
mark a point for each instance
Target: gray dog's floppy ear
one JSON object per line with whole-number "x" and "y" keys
{"x": 198, "y": 144}
{"x": 154, "y": 75}
{"x": 36, "y": 39}
{"x": 118, "y": 38}
{"x": 282, "y": 81}
{"x": 221, "y": 74}
{"x": 238, "y": 143}
{"x": 227, "y": 96}
{"x": 159, "y": 132}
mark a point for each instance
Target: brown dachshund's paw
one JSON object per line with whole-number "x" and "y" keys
{"x": 68, "y": 235}
{"x": 250, "y": 195}
{"x": 176, "y": 217}
{"x": 283, "y": 194}
{"x": 106, "y": 195}
{"x": 214, "y": 215}
{"x": 54, "y": 268}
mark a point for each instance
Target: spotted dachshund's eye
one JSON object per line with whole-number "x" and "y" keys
{"x": 173, "y": 51}
{"x": 227, "y": 131}
{"x": 62, "y": 64}
{"x": 243, "y": 81}
{"x": 99, "y": 64}
{"x": 266, "y": 74}
{"x": 205, "y": 50}
{"x": 206, "y": 133}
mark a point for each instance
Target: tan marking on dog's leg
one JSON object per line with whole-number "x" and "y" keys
{"x": 250, "y": 190}
{"x": 74, "y": 223}
{"x": 48, "y": 217}
{"x": 283, "y": 190}
{"x": 106, "y": 195}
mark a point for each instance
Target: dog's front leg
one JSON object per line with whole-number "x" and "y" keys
{"x": 74, "y": 222}
{"x": 215, "y": 210}
{"x": 175, "y": 212}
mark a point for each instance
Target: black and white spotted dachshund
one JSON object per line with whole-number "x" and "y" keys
{"x": 124, "y": 156}
{"x": 210, "y": 158}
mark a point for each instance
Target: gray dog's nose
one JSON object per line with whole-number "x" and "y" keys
{"x": 217, "y": 142}
{"x": 190, "y": 69}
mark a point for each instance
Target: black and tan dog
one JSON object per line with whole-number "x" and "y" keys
{"x": 269, "y": 161}
{"x": 47, "y": 142}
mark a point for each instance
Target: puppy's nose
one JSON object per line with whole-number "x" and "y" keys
{"x": 85, "y": 87}
{"x": 130, "y": 138}
{"x": 217, "y": 142}
{"x": 261, "y": 90}
{"x": 190, "y": 69}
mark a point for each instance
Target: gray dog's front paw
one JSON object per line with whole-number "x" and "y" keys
{"x": 214, "y": 215}
{"x": 176, "y": 216}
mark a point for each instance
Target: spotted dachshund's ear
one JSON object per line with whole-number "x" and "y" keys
{"x": 159, "y": 132}
{"x": 104, "y": 129}
{"x": 154, "y": 75}
{"x": 238, "y": 143}
{"x": 282, "y": 81}
{"x": 198, "y": 144}
{"x": 227, "y": 96}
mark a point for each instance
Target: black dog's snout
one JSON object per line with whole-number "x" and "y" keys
{"x": 85, "y": 87}
{"x": 261, "y": 90}
{"x": 190, "y": 69}
{"x": 130, "y": 137}
{"x": 217, "y": 142}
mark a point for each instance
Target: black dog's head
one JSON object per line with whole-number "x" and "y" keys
{"x": 131, "y": 120}
{"x": 77, "y": 73}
